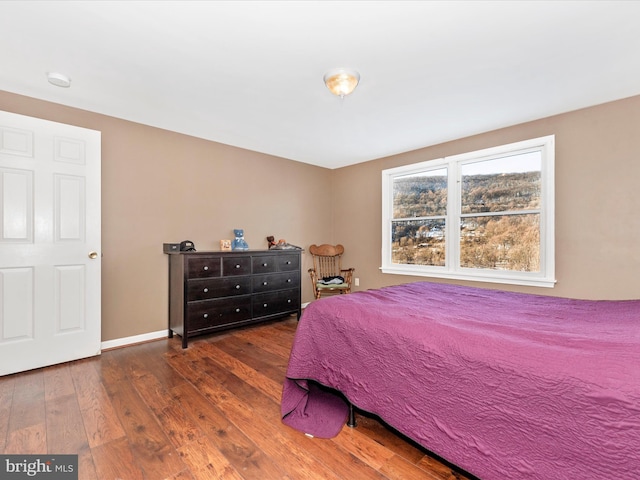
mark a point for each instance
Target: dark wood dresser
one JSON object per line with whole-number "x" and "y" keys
{"x": 211, "y": 291}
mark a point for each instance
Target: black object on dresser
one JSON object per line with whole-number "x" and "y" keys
{"x": 211, "y": 291}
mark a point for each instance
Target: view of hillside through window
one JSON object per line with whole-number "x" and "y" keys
{"x": 499, "y": 220}
{"x": 419, "y": 212}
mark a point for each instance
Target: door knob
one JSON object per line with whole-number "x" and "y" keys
{"x": 93, "y": 255}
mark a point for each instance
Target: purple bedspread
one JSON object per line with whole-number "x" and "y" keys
{"x": 504, "y": 385}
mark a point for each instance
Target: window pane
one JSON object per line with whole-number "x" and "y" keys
{"x": 502, "y": 184}
{"x": 418, "y": 242}
{"x": 420, "y": 195}
{"x": 503, "y": 242}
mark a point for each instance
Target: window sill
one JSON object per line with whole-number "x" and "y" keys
{"x": 526, "y": 280}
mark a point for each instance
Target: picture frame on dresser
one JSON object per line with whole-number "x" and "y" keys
{"x": 214, "y": 291}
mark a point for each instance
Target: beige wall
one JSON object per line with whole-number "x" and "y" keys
{"x": 160, "y": 186}
{"x": 597, "y": 201}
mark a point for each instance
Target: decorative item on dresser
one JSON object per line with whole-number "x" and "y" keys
{"x": 211, "y": 291}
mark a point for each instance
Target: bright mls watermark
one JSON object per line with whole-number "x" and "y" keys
{"x": 49, "y": 467}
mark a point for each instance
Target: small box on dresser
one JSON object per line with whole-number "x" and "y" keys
{"x": 212, "y": 291}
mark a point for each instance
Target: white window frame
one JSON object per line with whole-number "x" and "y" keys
{"x": 544, "y": 278}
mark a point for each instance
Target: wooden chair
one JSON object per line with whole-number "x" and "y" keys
{"x": 327, "y": 262}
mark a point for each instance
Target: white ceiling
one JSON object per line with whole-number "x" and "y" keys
{"x": 249, "y": 74}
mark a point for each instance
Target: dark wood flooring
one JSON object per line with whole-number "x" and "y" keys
{"x": 156, "y": 411}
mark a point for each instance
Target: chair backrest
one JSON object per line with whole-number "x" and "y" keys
{"x": 327, "y": 259}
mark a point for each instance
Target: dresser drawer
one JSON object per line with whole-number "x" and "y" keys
{"x": 276, "y": 302}
{"x": 264, "y": 264}
{"x": 236, "y": 266}
{"x": 288, "y": 262}
{"x": 200, "y": 267}
{"x": 206, "y": 288}
{"x": 211, "y": 313}
{"x": 275, "y": 281}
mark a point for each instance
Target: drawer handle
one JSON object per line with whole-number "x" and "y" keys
{"x": 264, "y": 305}
{"x": 289, "y": 301}
{"x": 206, "y": 267}
{"x": 237, "y": 266}
{"x": 288, "y": 262}
{"x": 205, "y": 290}
{"x": 264, "y": 283}
{"x": 237, "y": 310}
{"x": 237, "y": 287}
{"x": 264, "y": 264}
{"x": 288, "y": 280}
{"x": 206, "y": 315}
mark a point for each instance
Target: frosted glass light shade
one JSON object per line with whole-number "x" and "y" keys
{"x": 341, "y": 82}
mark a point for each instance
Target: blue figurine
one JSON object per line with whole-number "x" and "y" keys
{"x": 239, "y": 243}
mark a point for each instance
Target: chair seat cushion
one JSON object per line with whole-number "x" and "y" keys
{"x": 334, "y": 285}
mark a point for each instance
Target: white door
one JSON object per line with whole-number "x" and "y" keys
{"x": 49, "y": 243}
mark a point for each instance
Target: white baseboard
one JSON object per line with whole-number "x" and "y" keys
{"x": 145, "y": 337}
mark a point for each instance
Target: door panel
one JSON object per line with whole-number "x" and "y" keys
{"x": 17, "y": 210}
{"x": 16, "y": 295}
{"x": 69, "y": 208}
{"x": 50, "y": 207}
{"x": 69, "y": 295}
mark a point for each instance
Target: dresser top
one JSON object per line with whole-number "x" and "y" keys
{"x": 241, "y": 252}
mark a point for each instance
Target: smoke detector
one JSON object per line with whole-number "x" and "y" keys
{"x": 58, "y": 79}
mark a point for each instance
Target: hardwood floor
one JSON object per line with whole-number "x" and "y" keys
{"x": 156, "y": 411}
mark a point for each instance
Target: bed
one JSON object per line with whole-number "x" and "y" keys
{"x": 504, "y": 385}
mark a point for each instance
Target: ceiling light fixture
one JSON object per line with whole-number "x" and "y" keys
{"x": 341, "y": 81}
{"x": 58, "y": 79}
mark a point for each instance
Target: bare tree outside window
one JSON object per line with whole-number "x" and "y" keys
{"x": 500, "y": 213}
{"x": 419, "y": 211}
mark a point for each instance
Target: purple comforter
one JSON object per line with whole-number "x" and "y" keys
{"x": 504, "y": 385}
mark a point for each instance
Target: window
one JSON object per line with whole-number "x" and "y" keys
{"x": 485, "y": 216}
